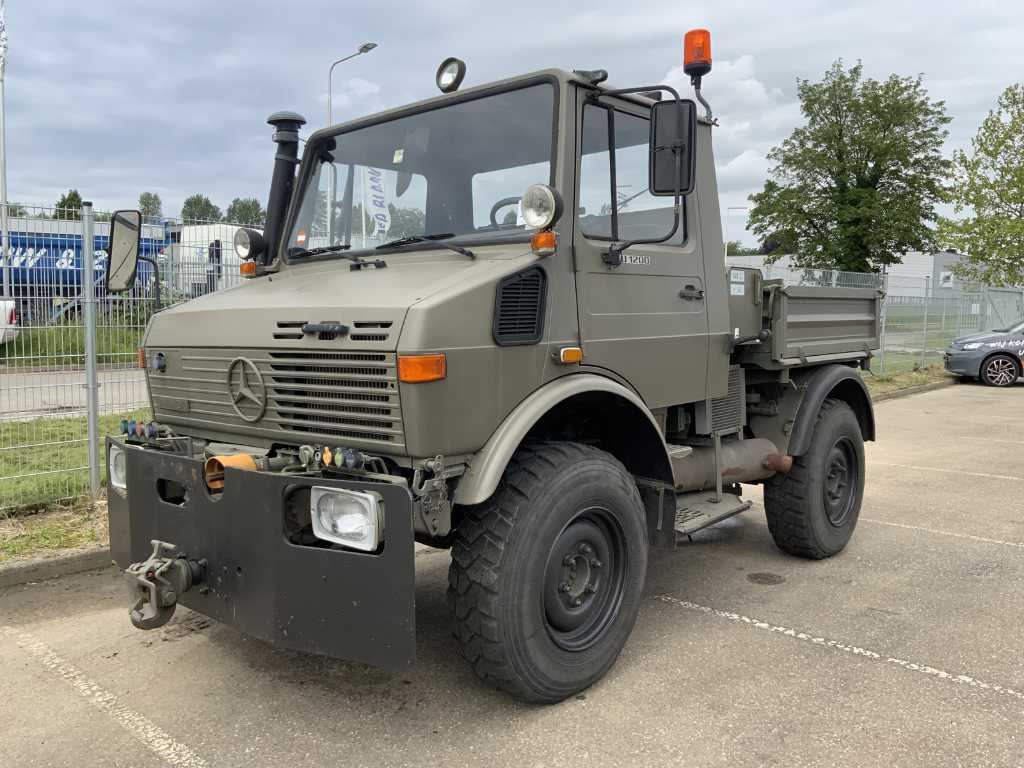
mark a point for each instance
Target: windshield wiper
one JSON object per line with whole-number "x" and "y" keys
{"x": 340, "y": 248}
{"x": 437, "y": 239}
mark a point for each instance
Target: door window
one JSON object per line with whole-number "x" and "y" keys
{"x": 613, "y": 191}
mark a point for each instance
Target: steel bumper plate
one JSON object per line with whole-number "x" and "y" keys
{"x": 348, "y": 605}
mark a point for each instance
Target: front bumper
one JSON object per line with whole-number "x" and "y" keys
{"x": 964, "y": 363}
{"x": 345, "y": 604}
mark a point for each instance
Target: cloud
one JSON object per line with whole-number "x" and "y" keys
{"x": 114, "y": 102}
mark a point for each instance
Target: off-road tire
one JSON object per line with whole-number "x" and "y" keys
{"x": 798, "y": 504}
{"x": 508, "y": 553}
{"x": 1000, "y": 371}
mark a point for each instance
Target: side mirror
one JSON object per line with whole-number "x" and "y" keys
{"x": 673, "y": 136}
{"x": 125, "y": 236}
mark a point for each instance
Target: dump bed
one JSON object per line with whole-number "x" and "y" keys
{"x": 810, "y": 324}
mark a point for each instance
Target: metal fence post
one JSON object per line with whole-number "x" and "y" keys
{"x": 924, "y": 341}
{"x": 881, "y": 337}
{"x": 91, "y": 384}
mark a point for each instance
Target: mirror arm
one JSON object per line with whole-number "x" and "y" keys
{"x": 695, "y": 82}
{"x": 156, "y": 273}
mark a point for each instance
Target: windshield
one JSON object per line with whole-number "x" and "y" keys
{"x": 457, "y": 169}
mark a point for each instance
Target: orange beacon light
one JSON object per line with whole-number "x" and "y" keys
{"x": 697, "y": 52}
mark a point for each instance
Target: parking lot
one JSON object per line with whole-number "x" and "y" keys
{"x": 903, "y": 650}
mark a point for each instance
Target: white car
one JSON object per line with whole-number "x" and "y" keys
{"x": 8, "y": 321}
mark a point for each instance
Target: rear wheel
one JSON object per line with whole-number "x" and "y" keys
{"x": 1000, "y": 371}
{"x": 813, "y": 510}
{"x": 546, "y": 576}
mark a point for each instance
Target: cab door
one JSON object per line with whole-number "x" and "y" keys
{"x": 645, "y": 319}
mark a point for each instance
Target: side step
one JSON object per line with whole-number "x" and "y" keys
{"x": 698, "y": 509}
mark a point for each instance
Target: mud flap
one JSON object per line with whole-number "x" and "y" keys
{"x": 344, "y": 604}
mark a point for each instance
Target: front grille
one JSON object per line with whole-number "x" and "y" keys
{"x": 338, "y": 398}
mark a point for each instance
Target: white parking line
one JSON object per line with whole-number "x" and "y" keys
{"x": 853, "y": 650}
{"x": 155, "y": 738}
{"x": 947, "y": 470}
{"x": 969, "y": 537}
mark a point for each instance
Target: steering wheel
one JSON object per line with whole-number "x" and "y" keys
{"x": 503, "y": 203}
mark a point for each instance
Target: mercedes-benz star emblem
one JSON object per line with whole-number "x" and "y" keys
{"x": 246, "y": 388}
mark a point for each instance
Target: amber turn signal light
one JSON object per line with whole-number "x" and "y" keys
{"x": 141, "y": 353}
{"x": 544, "y": 242}
{"x": 414, "y": 369}
{"x": 697, "y": 52}
{"x": 248, "y": 269}
{"x": 569, "y": 355}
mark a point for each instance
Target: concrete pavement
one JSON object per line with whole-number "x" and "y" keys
{"x": 905, "y": 650}
{"x": 31, "y": 394}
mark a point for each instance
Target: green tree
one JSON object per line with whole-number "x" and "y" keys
{"x": 199, "y": 208}
{"x": 246, "y": 210}
{"x": 405, "y": 222}
{"x": 69, "y": 206}
{"x": 151, "y": 206}
{"x": 988, "y": 194}
{"x": 736, "y": 248}
{"x": 856, "y": 186}
{"x": 16, "y": 209}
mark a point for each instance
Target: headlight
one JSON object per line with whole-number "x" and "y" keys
{"x": 248, "y": 243}
{"x": 117, "y": 474}
{"x": 541, "y": 206}
{"x": 351, "y": 518}
{"x": 973, "y": 345}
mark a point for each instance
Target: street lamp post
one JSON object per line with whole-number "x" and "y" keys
{"x": 364, "y": 48}
{"x": 728, "y": 212}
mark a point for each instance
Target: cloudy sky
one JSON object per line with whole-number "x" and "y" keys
{"x": 116, "y": 97}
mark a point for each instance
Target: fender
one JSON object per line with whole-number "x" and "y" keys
{"x": 488, "y": 465}
{"x": 839, "y": 381}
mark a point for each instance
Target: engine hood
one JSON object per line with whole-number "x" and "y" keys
{"x": 269, "y": 311}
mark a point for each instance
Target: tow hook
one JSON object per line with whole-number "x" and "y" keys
{"x": 156, "y": 583}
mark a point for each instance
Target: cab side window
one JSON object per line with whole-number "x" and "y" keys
{"x": 614, "y": 201}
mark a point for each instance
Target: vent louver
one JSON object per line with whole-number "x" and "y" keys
{"x": 363, "y": 330}
{"x": 289, "y": 329}
{"x": 519, "y": 308}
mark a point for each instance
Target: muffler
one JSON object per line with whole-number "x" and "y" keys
{"x": 742, "y": 461}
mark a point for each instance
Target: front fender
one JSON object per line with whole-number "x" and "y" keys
{"x": 488, "y": 465}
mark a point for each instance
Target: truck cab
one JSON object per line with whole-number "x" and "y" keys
{"x": 496, "y": 321}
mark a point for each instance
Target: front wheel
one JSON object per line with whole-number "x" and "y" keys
{"x": 1000, "y": 371}
{"x": 546, "y": 576}
{"x": 813, "y": 509}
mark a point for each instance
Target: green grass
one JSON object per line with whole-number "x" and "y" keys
{"x": 45, "y": 460}
{"x": 57, "y": 529}
{"x": 891, "y": 382}
{"x": 63, "y": 344}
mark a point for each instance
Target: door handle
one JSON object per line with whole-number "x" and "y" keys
{"x": 691, "y": 293}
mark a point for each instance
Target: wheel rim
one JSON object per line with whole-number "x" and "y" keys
{"x": 1001, "y": 371}
{"x": 841, "y": 481}
{"x": 584, "y": 579}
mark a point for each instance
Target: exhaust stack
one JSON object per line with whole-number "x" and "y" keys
{"x": 286, "y": 136}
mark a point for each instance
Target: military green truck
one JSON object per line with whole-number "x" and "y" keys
{"x": 496, "y": 321}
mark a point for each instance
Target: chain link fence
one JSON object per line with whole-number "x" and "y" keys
{"x": 44, "y": 325}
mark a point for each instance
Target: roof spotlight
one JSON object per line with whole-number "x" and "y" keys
{"x": 450, "y": 74}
